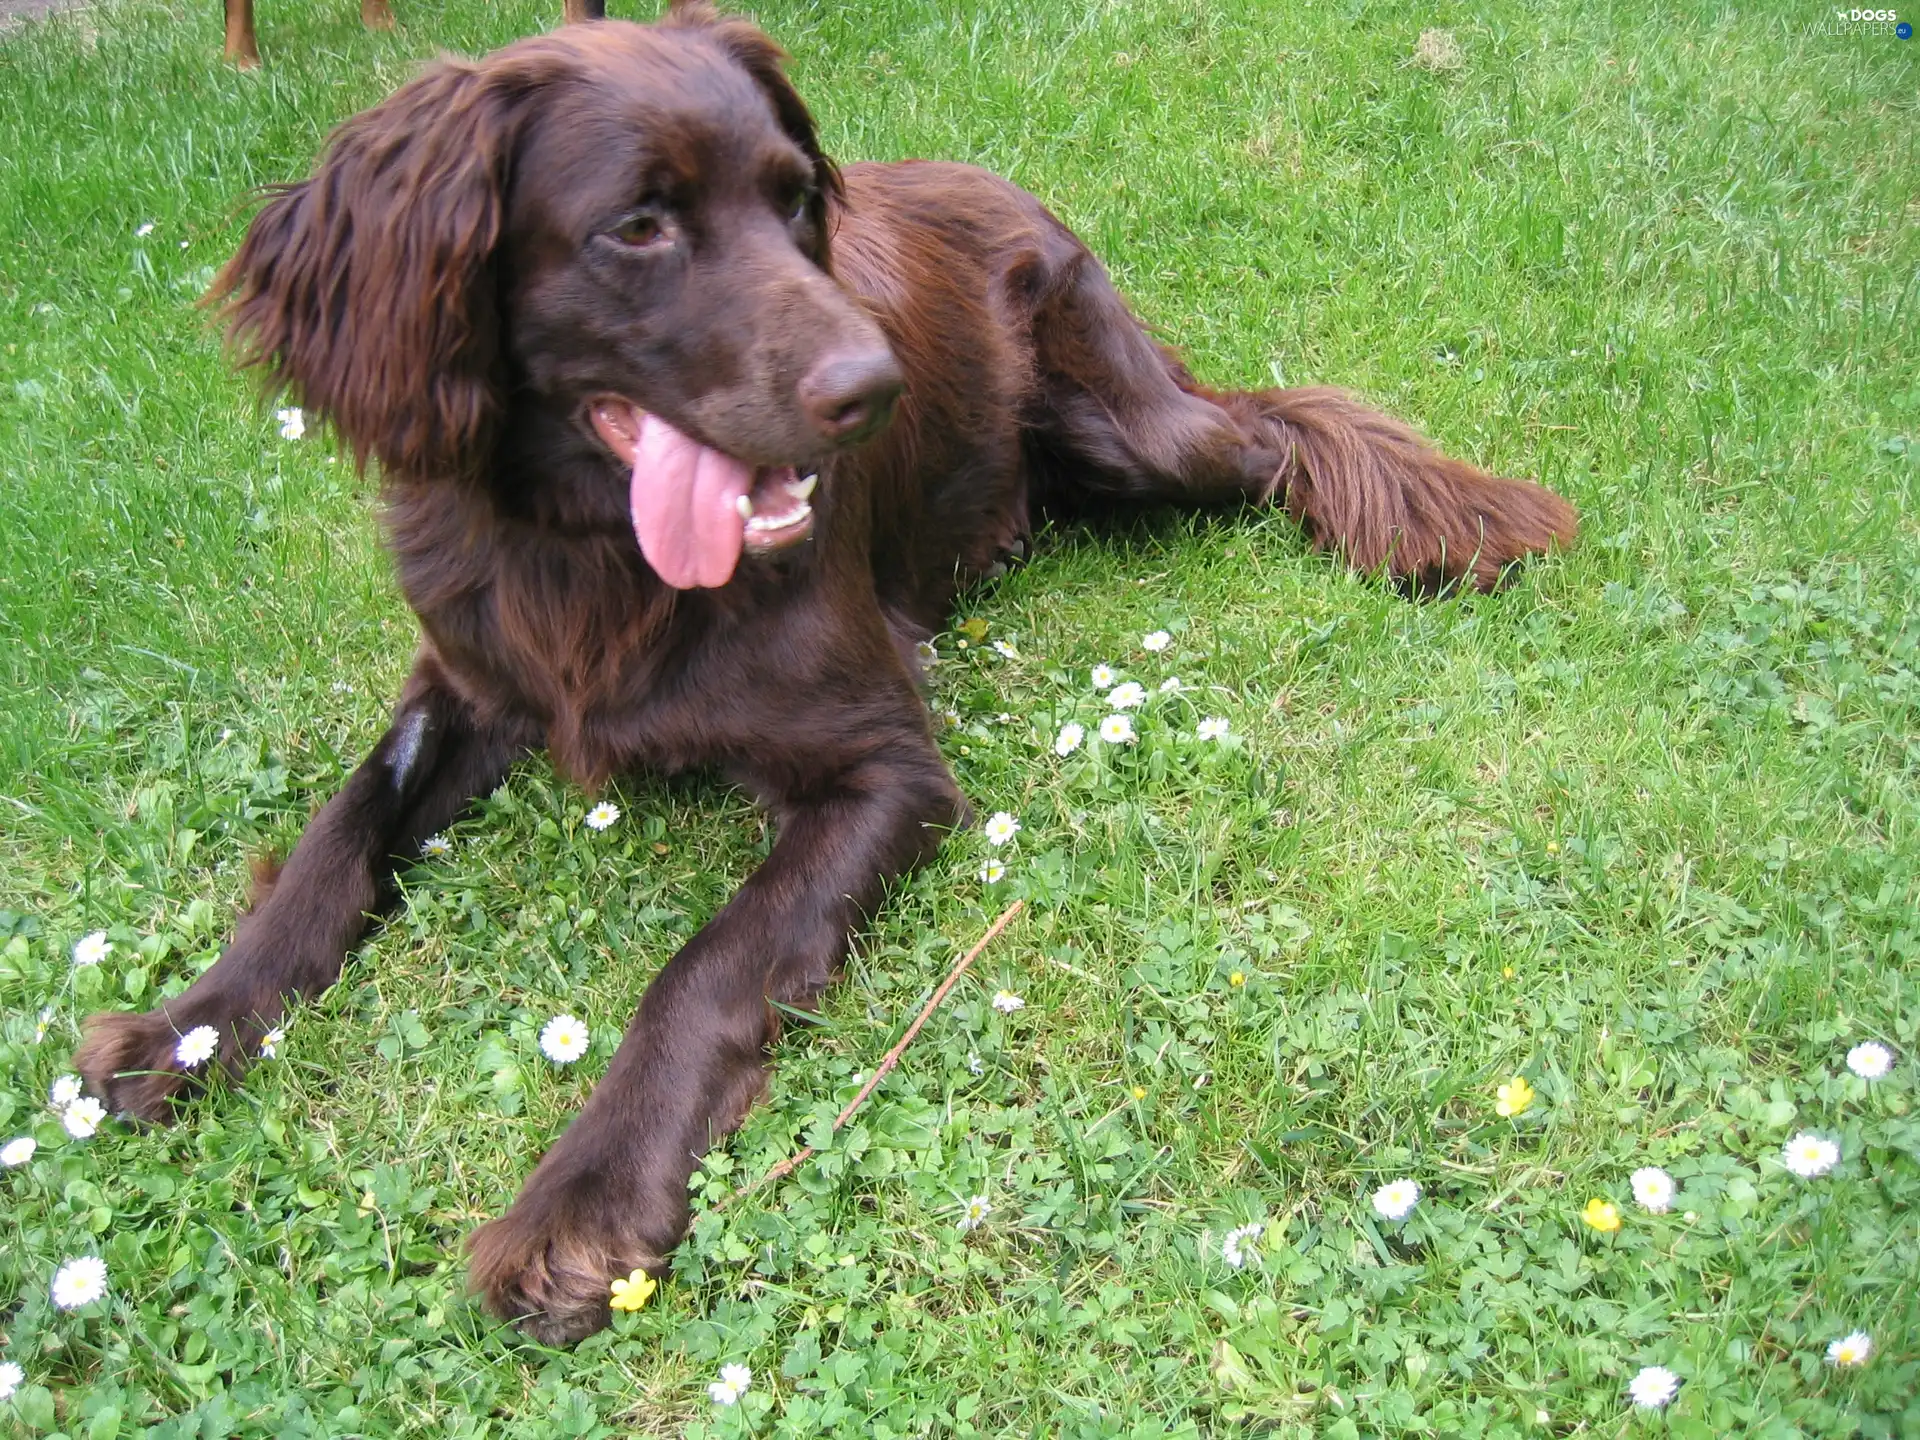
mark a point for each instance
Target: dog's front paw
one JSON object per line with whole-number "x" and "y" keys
{"x": 549, "y": 1263}
{"x": 140, "y": 1064}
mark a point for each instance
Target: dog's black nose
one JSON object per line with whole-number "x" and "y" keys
{"x": 849, "y": 396}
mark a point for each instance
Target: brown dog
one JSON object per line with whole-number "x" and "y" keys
{"x": 688, "y": 438}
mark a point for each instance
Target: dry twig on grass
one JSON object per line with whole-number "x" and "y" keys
{"x": 793, "y": 1162}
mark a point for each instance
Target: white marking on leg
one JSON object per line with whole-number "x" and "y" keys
{"x": 406, "y": 746}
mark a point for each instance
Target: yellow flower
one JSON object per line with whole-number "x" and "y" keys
{"x": 1238, "y": 977}
{"x": 1514, "y": 1097}
{"x": 1506, "y": 972}
{"x": 633, "y": 1292}
{"x": 1601, "y": 1215}
{"x": 1139, "y": 1092}
{"x": 1553, "y": 847}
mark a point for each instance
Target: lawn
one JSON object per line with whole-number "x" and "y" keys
{"x": 1642, "y": 829}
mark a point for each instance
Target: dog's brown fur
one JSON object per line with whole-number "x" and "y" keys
{"x": 451, "y": 289}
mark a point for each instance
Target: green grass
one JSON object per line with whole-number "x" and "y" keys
{"x": 1641, "y": 828}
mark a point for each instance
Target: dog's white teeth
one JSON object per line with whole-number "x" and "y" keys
{"x": 760, "y": 524}
{"x": 744, "y": 504}
{"x": 802, "y": 489}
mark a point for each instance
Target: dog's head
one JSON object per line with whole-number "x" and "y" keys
{"x": 628, "y": 223}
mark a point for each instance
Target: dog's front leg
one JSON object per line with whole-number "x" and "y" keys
{"x": 432, "y": 761}
{"x": 611, "y": 1195}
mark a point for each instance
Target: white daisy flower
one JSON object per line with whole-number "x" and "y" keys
{"x": 1103, "y": 676}
{"x": 1068, "y": 740}
{"x": 1212, "y": 728}
{"x": 602, "y": 815}
{"x": 18, "y": 1151}
{"x": 1127, "y": 696}
{"x": 1870, "y": 1060}
{"x": 65, "y": 1091}
{"x": 993, "y": 872}
{"x": 1808, "y": 1155}
{"x": 11, "y": 1376}
{"x": 1007, "y": 650}
{"x": 92, "y": 949}
{"x": 40, "y": 1025}
{"x": 975, "y": 1066}
{"x": 144, "y": 231}
{"x": 1653, "y": 1388}
{"x": 435, "y": 846}
{"x": 1171, "y": 685}
{"x": 952, "y": 718}
{"x": 270, "y": 1042}
{"x": 1157, "y": 641}
{"x": 1003, "y": 718}
{"x": 1006, "y": 1002}
{"x": 928, "y": 655}
{"x": 1653, "y": 1188}
{"x": 293, "y": 422}
{"x": 734, "y": 1381}
{"x": 1396, "y": 1199}
{"x": 79, "y": 1282}
{"x": 83, "y": 1117}
{"x": 977, "y": 1209}
{"x": 1849, "y": 1350}
{"x": 1117, "y": 730}
{"x": 197, "y": 1046}
{"x": 1000, "y": 828}
{"x": 1236, "y": 1246}
{"x": 563, "y": 1039}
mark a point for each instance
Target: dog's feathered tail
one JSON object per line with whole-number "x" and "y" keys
{"x": 1369, "y": 488}
{"x": 1123, "y": 419}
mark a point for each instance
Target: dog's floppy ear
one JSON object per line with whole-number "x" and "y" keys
{"x": 749, "y": 48}
{"x": 367, "y": 290}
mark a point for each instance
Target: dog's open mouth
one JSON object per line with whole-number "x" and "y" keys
{"x": 695, "y": 508}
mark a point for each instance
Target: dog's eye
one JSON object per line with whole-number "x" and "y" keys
{"x": 799, "y": 205}
{"x": 642, "y": 229}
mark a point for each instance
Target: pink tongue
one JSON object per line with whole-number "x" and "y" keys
{"x": 685, "y": 502}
